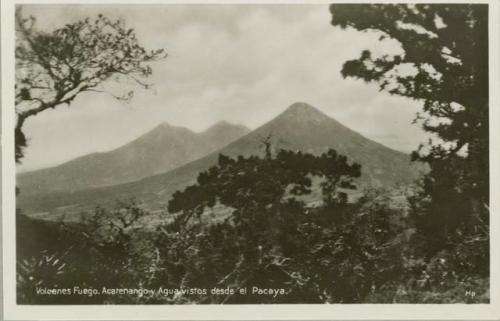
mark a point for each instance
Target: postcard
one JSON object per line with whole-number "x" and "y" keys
{"x": 269, "y": 160}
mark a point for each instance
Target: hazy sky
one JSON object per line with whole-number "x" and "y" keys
{"x": 240, "y": 63}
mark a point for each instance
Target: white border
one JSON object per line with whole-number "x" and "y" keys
{"x": 238, "y": 312}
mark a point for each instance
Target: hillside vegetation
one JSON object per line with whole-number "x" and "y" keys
{"x": 340, "y": 251}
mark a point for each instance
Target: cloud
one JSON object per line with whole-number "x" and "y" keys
{"x": 241, "y": 63}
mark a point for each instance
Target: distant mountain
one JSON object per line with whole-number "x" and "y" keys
{"x": 162, "y": 149}
{"x": 300, "y": 127}
{"x": 305, "y": 128}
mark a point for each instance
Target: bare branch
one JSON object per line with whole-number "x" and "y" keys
{"x": 52, "y": 69}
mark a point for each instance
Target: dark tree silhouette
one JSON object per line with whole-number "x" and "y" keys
{"x": 444, "y": 64}
{"x": 266, "y": 238}
{"x": 52, "y": 69}
{"x": 264, "y": 182}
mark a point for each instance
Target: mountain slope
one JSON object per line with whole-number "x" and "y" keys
{"x": 162, "y": 149}
{"x": 300, "y": 127}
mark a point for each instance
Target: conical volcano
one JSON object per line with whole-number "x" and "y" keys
{"x": 305, "y": 128}
{"x": 300, "y": 127}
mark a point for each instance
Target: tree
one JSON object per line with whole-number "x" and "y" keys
{"x": 444, "y": 64}
{"x": 243, "y": 183}
{"x": 264, "y": 233}
{"x": 52, "y": 69}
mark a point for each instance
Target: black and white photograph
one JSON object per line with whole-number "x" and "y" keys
{"x": 249, "y": 154}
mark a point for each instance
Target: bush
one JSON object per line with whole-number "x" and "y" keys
{"x": 245, "y": 224}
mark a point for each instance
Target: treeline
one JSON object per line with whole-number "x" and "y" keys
{"x": 373, "y": 248}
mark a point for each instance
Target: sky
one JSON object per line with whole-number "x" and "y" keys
{"x": 241, "y": 63}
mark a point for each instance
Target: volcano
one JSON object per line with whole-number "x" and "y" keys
{"x": 162, "y": 149}
{"x": 300, "y": 127}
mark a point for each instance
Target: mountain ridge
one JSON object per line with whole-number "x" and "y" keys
{"x": 161, "y": 149}
{"x": 300, "y": 127}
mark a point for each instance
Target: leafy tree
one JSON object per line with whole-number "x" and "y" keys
{"x": 244, "y": 184}
{"x": 52, "y": 69}
{"x": 444, "y": 64}
{"x": 268, "y": 237}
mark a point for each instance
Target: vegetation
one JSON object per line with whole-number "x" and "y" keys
{"x": 52, "y": 69}
{"x": 343, "y": 250}
{"x": 246, "y": 223}
{"x": 444, "y": 64}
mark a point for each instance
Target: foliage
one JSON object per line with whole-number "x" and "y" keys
{"x": 34, "y": 273}
{"x": 337, "y": 252}
{"x": 447, "y": 277}
{"x": 444, "y": 64}
{"x": 53, "y": 68}
{"x": 455, "y": 293}
{"x": 246, "y": 222}
{"x": 107, "y": 249}
{"x": 357, "y": 251}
